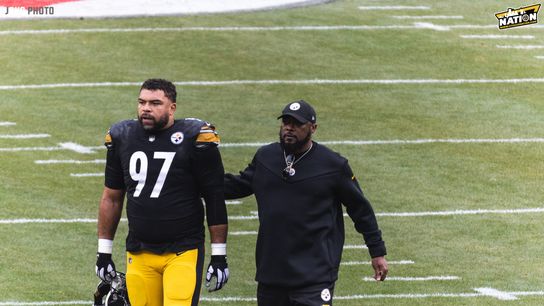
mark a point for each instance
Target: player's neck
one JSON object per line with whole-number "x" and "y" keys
{"x": 168, "y": 125}
{"x": 304, "y": 148}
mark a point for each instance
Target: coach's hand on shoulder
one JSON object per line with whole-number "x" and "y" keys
{"x": 217, "y": 274}
{"x": 105, "y": 268}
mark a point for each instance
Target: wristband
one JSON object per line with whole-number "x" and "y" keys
{"x": 105, "y": 246}
{"x": 219, "y": 249}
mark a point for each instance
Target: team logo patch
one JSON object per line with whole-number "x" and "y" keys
{"x": 295, "y": 106}
{"x": 108, "y": 142}
{"x": 326, "y": 295}
{"x": 151, "y": 138}
{"x": 177, "y": 138}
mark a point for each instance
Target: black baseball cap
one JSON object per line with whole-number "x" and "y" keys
{"x": 300, "y": 110}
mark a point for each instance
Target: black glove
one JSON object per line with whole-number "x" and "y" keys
{"x": 219, "y": 270}
{"x": 105, "y": 268}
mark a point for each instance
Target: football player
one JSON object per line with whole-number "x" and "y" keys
{"x": 164, "y": 167}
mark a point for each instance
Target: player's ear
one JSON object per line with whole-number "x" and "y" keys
{"x": 173, "y": 107}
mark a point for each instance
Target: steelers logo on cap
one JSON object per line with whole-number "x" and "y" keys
{"x": 177, "y": 138}
{"x": 294, "y": 106}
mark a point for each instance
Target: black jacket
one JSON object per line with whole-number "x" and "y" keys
{"x": 301, "y": 232}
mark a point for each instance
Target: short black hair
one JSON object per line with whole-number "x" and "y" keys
{"x": 166, "y": 86}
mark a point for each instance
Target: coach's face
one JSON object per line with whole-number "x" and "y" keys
{"x": 155, "y": 110}
{"x": 295, "y": 136}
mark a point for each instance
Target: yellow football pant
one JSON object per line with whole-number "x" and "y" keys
{"x": 164, "y": 280}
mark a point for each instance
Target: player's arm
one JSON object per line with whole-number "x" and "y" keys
{"x": 109, "y": 212}
{"x": 360, "y": 211}
{"x": 239, "y": 186}
{"x": 209, "y": 171}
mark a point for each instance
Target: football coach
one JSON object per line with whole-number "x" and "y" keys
{"x": 300, "y": 186}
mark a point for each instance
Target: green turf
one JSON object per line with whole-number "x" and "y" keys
{"x": 55, "y": 262}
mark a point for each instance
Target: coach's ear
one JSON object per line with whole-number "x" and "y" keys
{"x": 313, "y": 128}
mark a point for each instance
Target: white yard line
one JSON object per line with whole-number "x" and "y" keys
{"x": 478, "y": 26}
{"x": 253, "y": 217}
{"x": 415, "y": 279}
{"x": 242, "y": 233}
{"x": 415, "y": 26}
{"x": 539, "y": 57}
{"x": 46, "y": 221}
{"x": 249, "y": 233}
{"x": 243, "y": 144}
{"x": 76, "y": 147}
{"x": 97, "y": 174}
{"x": 521, "y": 47}
{"x": 393, "y": 7}
{"x": 26, "y": 149}
{"x": 243, "y": 217}
{"x": 505, "y": 296}
{"x": 428, "y": 17}
{"x": 7, "y": 123}
{"x": 233, "y": 202}
{"x": 23, "y": 136}
{"x": 408, "y": 296}
{"x": 498, "y": 36}
{"x": 440, "y": 295}
{"x": 436, "y": 213}
{"x": 391, "y": 262}
{"x": 29, "y": 221}
{"x": 286, "y": 82}
{"x": 399, "y": 142}
{"x": 354, "y": 246}
{"x": 463, "y": 212}
{"x": 214, "y": 29}
{"x": 426, "y": 141}
{"x": 432, "y": 26}
{"x": 69, "y": 161}
{"x": 480, "y": 292}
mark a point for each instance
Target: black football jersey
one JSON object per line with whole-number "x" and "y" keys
{"x": 165, "y": 174}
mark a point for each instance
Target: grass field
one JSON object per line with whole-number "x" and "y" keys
{"x": 410, "y": 82}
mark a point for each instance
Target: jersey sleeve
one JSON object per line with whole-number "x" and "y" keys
{"x": 360, "y": 211}
{"x": 239, "y": 186}
{"x": 207, "y": 137}
{"x": 113, "y": 172}
{"x": 209, "y": 172}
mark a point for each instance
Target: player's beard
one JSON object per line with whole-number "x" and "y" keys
{"x": 297, "y": 145}
{"x": 158, "y": 124}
